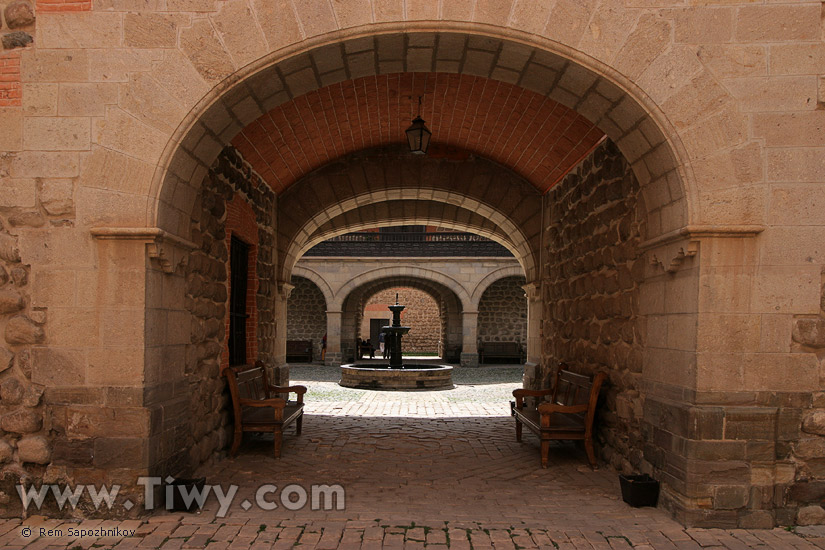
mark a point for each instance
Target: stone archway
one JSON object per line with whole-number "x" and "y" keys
{"x": 502, "y": 310}
{"x": 306, "y": 317}
{"x": 355, "y": 298}
{"x": 584, "y": 85}
{"x": 695, "y": 139}
{"x": 387, "y": 187}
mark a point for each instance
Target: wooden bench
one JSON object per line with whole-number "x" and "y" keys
{"x": 500, "y": 350}
{"x": 568, "y": 415}
{"x": 299, "y": 350}
{"x": 257, "y": 406}
{"x": 364, "y": 349}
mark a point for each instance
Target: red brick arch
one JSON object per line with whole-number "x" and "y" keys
{"x": 537, "y": 137}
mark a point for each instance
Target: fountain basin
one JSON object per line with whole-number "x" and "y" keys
{"x": 410, "y": 377}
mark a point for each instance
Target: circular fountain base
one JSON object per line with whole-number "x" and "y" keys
{"x": 410, "y": 377}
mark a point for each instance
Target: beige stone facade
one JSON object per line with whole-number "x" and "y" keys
{"x": 456, "y": 286}
{"x": 127, "y": 129}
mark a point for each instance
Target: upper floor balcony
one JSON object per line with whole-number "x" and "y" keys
{"x": 409, "y": 241}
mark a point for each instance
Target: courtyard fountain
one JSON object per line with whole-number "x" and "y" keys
{"x": 396, "y": 375}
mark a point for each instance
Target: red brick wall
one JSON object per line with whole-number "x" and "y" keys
{"x": 11, "y": 92}
{"x": 55, "y": 6}
{"x": 240, "y": 223}
{"x": 422, "y": 315}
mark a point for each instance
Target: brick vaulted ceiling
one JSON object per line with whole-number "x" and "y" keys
{"x": 538, "y": 138}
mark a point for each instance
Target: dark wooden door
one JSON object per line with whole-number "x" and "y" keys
{"x": 239, "y": 274}
{"x": 375, "y": 329}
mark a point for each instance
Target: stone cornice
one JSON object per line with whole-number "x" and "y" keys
{"x": 703, "y": 231}
{"x": 168, "y": 250}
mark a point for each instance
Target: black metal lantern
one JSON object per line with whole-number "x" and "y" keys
{"x": 418, "y": 135}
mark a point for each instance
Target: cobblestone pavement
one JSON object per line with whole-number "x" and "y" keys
{"x": 418, "y": 470}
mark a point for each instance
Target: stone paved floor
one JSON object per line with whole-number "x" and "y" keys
{"x": 418, "y": 470}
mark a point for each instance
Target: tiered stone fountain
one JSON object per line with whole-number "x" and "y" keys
{"x": 396, "y": 375}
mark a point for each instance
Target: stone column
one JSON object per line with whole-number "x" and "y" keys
{"x": 334, "y": 355}
{"x": 534, "y": 324}
{"x": 469, "y": 348}
{"x": 279, "y": 306}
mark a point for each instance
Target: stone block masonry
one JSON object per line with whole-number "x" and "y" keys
{"x": 502, "y": 312}
{"x": 230, "y": 201}
{"x": 423, "y": 316}
{"x": 591, "y": 278}
{"x": 306, "y": 315}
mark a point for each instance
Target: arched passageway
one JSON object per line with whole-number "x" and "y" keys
{"x": 637, "y": 250}
{"x": 472, "y": 181}
{"x": 306, "y": 317}
{"x": 448, "y": 304}
{"x": 423, "y": 315}
{"x": 502, "y": 312}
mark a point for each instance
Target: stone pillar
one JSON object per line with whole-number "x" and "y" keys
{"x": 534, "y": 335}
{"x": 534, "y": 309}
{"x": 280, "y": 301}
{"x": 131, "y": 368}
{"x": 469, "y": 348}
{"x": 334, "y": 355}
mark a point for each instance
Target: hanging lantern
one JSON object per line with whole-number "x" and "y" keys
{"x": 418, "y": 136}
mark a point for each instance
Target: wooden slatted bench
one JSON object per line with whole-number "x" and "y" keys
{"x": 568, "y": 415}
{"x": 500, "y": 350}
{"x": 257, "y": 406}
{"x": 299, "y": 350}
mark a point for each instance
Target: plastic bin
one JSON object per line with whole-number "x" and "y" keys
{"x": 639, "y": 490}
{"x": 178, "y": 504}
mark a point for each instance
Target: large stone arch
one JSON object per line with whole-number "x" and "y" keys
{"x": 411, "y": 272}
{"x": 316, "y": 278}
{"x": 626, "y": 112}
{"x": 385, "y": 187}
{"x": 306, "y": 314}
{"x": 703, "y": 134}
{"x": 484, "y": 284}
{"x": 448, "y": 301}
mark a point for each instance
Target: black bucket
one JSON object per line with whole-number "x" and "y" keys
{"x": 188, "y": 485}
{"x": 639, "y": 490}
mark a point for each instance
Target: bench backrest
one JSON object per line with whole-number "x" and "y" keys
{"x": 578, "y": 389}
{"x": 298, "y": 346}
{"x": 501, "y": 347}
{"x": 246, "y": 382}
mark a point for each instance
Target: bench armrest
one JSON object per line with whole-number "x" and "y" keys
{"x": 531, "y": 393}
{"x": 274, "y": 402}
{"x": 298, "y": 390}
{"x": 549, "y": 408}
{"x": 520, "y": 394}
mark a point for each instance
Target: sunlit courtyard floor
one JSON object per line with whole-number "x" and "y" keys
{"x": 419, "y": 469}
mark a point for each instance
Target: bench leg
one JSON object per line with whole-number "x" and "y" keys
{"x": 591, "y": 455}
{"x": 279, "y": 436}
{"x": 236, "y": 443}
{"x": 299, "y": 425}
{"x": 518, "y": 430}
{"x": 545, "y": 452}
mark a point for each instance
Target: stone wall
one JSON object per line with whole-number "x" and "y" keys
{"x": 800, "y": 432}
{"x": 422, "y": 315}
{"x": 591, "y": 276}
{"x": 25, "y": 446}
{"x": 201, "y": 429}
{"x": 306, "y": 315}
{"x": 502, "y": 312}
{"x": 28, "y": 209}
